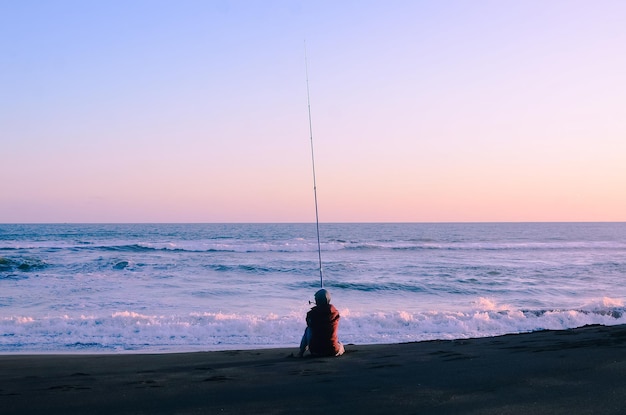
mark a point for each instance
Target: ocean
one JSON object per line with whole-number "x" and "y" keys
{"x": 129, "y": 288}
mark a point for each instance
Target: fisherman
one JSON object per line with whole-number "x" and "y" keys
{"x": 320, "y": 336}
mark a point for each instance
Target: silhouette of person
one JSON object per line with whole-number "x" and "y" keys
{"x": 320, "y": 336}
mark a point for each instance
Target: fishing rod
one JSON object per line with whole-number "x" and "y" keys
{"x": 317, "y": 220}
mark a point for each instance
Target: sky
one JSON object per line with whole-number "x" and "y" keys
{"x": 421, "y": 111}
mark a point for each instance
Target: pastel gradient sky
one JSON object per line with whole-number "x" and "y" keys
{"x": 423, "y": 111}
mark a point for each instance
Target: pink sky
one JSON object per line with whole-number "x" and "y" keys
{"x": 422, "y": 111}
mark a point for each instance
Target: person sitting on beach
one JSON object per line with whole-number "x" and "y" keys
{"x": 320, "y": 336}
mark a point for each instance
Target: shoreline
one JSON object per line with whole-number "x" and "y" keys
{"x": 576, "y": 371}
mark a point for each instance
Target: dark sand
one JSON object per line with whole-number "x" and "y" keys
{"x": 581, "y": 371}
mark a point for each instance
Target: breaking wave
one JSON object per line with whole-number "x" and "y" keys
{"x": 127, "y": 331}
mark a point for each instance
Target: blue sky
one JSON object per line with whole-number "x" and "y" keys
{"x": 195, "y": 111}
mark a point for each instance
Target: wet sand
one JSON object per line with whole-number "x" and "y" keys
{"x": 580, "y": 371}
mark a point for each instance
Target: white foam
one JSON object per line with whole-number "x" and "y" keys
{"x": 127, "y": 330}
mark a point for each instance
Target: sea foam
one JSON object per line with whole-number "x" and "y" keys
{"x": 127, "y": 331}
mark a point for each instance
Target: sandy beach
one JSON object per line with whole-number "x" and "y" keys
{"x": 579, "y": 371}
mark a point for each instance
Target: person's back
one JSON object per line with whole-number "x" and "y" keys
{"x": 320, "y": 337}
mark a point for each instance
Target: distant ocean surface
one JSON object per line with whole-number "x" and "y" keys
{"x": 171, "y": 287}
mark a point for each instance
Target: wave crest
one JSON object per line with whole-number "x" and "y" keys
{"x": 134, "y": 331}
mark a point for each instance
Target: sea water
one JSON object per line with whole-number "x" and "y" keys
{"x": 185, "y": 287}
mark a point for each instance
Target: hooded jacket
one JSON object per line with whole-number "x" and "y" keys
{"x": 323, "y": 321}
